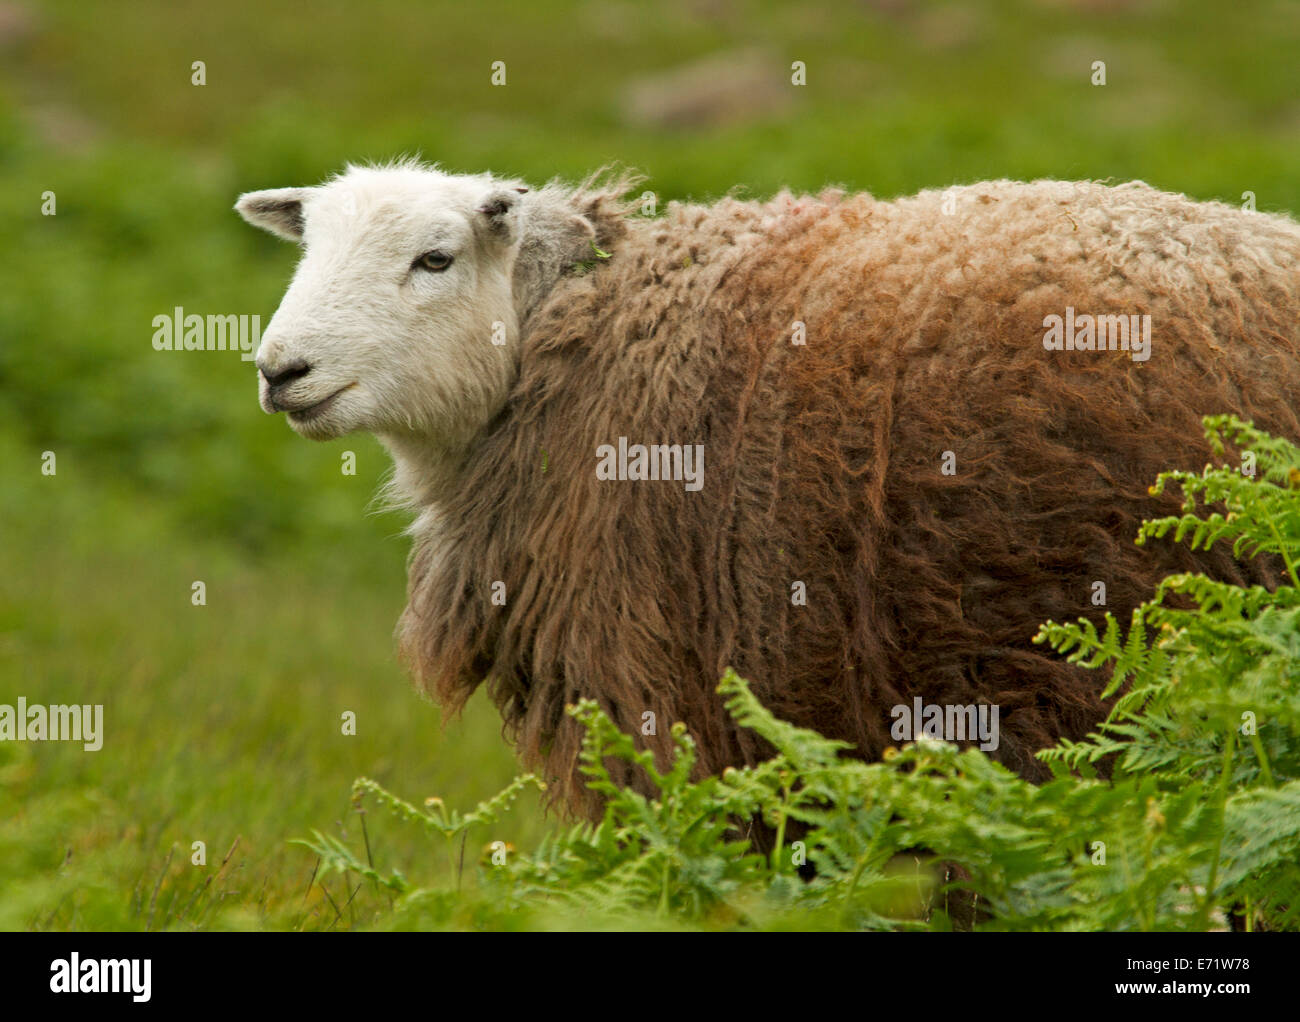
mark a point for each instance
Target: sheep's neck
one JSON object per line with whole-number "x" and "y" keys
{"x": 424, "y": 472}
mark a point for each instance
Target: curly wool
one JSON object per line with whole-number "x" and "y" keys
{"x": 823, "y": 461}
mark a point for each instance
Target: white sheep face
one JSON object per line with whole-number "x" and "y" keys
{"x": 400, "y": 318}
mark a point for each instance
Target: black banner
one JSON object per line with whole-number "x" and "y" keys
{"x": 169, "y": 971}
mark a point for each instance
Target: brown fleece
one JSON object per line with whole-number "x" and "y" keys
{"x": 823, "y": 461}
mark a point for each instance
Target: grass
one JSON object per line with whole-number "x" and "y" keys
{"x": 222, "y": 721}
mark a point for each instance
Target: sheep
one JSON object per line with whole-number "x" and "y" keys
{"x": 907, "y": 462}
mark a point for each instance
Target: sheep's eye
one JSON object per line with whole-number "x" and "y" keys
{"x": 434, "y": 262}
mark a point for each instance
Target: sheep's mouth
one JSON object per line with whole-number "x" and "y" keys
{"x": 314, "y": 411}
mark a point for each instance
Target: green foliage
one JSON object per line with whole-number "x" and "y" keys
{"x": 585, "y": 266}
{"x": 336, "y": 857}
{"x": 1213, "y": 704}
{"x": 1200, "y": 816}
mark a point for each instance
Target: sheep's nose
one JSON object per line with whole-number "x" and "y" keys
{"x": 281, "y": 376}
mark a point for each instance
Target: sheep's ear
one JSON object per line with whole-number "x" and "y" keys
{"x": 278, "y": 210}
{"x": 498, "y": 212}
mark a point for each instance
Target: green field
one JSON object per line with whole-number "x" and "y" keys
{"x": 223, "y": 721}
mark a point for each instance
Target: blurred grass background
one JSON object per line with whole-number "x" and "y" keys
{"x": 223, "y": 721}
